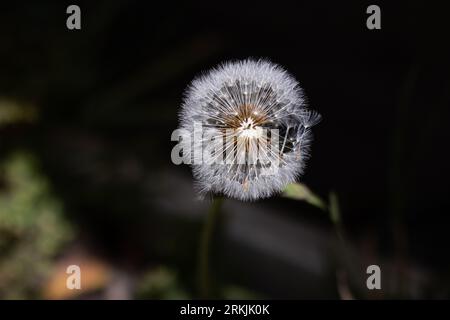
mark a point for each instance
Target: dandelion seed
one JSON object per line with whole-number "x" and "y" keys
{"x": 256, "y": 129}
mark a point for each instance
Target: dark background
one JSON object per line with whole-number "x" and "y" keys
{"x": 104, "y": 100}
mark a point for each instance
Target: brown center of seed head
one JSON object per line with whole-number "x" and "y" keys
{"x": 249, "y": 115}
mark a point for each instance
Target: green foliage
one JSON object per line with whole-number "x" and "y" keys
{"x": 160, "y": 283}
{"x": 32, "y": 227}
{"x": 232, "y": 292}
{"x": 12, "y": 112}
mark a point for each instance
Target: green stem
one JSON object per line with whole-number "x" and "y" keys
{"x": 204, "y": 252}
{"x": 335, "y": 217}
{"x": 343, "y": 252}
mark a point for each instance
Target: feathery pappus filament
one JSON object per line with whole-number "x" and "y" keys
{"x": 255, "y": 129}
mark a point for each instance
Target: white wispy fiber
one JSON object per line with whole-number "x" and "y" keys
{"x": 248, "y": 110}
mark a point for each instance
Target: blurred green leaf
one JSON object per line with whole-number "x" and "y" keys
{"x": 13, "y": 112}
{"x": 299, "y": 191}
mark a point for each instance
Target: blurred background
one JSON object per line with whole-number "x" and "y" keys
{"x": 86, "y": 176}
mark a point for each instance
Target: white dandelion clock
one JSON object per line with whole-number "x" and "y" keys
{"x": 250, "y": 130}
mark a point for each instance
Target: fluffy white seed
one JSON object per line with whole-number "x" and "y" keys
{"x": 256, "y": 129}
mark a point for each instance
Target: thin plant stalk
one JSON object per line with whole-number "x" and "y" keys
{"x": 204, "y": 274}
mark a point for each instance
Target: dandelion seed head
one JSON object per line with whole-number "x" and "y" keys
{"x": 257, "y": 123}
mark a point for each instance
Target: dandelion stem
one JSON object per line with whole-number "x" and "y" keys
{"x": 204, "y": 275}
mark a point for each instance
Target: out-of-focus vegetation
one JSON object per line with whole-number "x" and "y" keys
{"x": 160, "y": 283}
{"x": 299, "y": 191}
{"x": 32, "y": 227}
{"x": 13, "y": 112}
